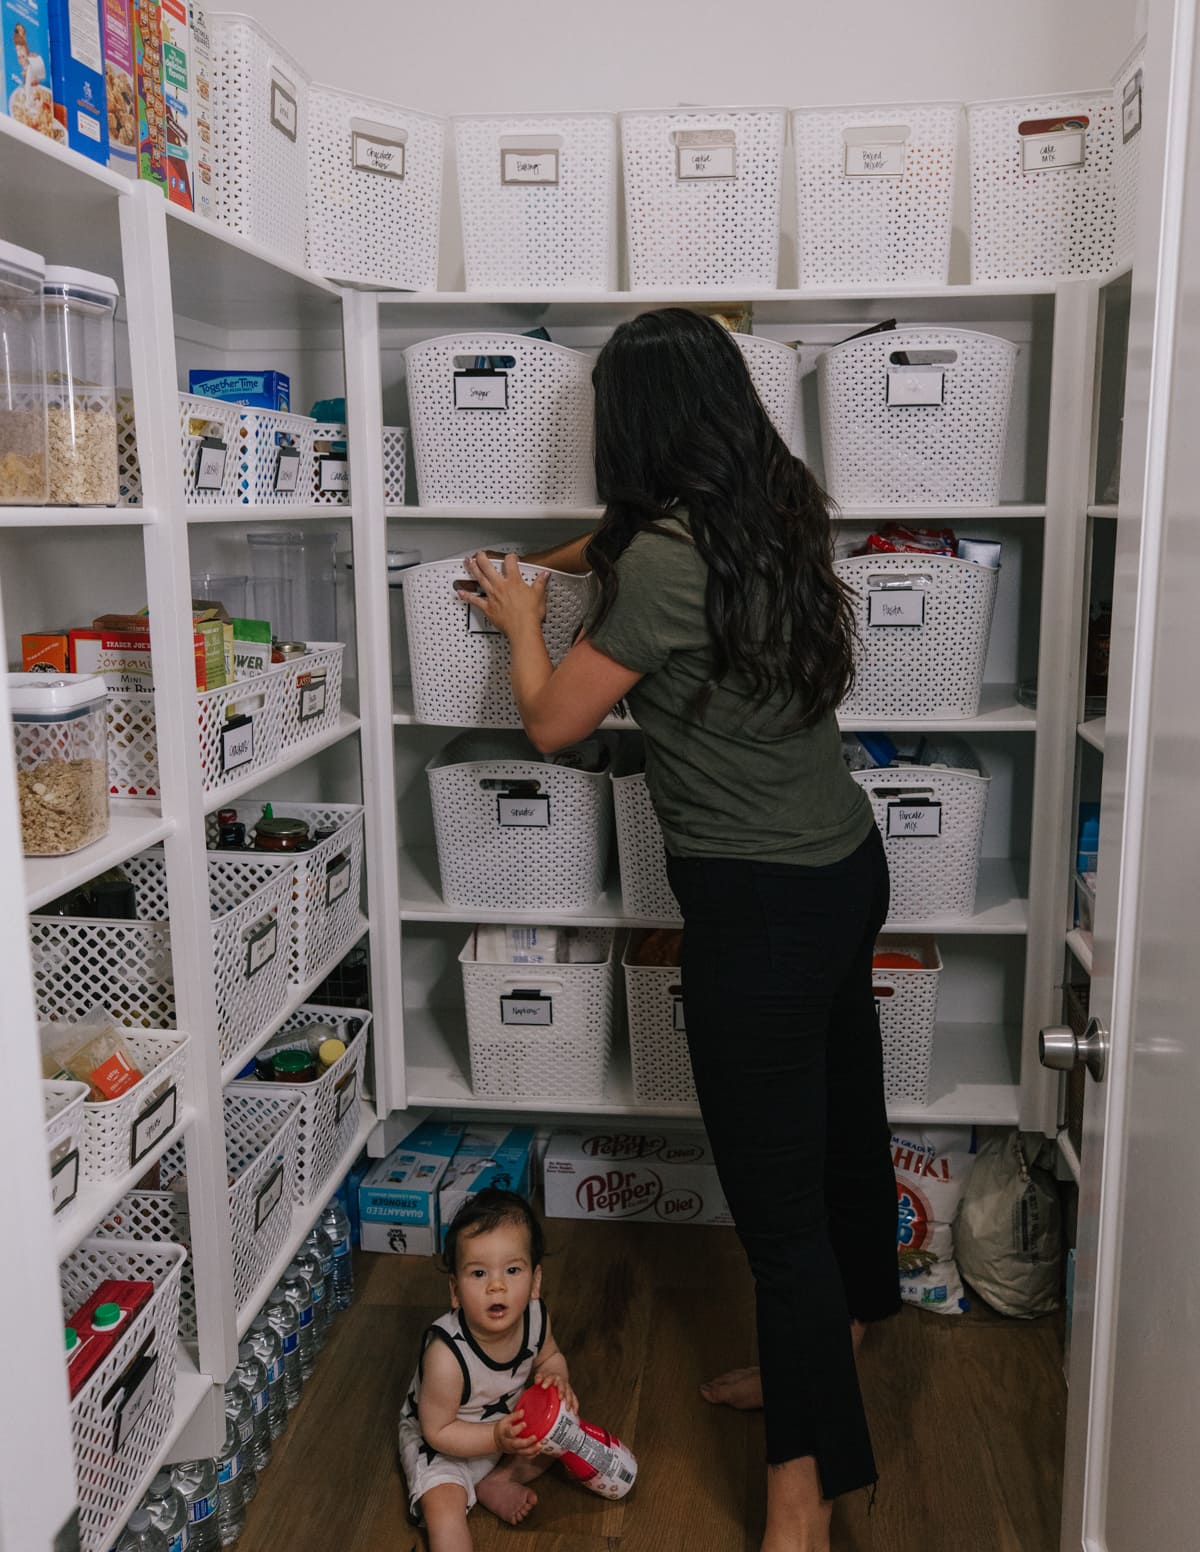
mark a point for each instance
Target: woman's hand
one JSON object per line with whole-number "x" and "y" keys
{"x": 504, "y": 598}
{"x": 511, "y": 1439}
{"x": 560, "y": 1384}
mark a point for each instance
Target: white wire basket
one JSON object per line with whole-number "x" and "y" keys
{"x": 460, "y": 664}
{"x": 658, "y": 1048}
{"x": 330, "y": 478}
{"x": 515, "y": 832}
{"x": 540, "y": 1029}
{"x": 129, "y": 477}
{"x": 1129, "y": 99}
{"x": 646, "y": 892}
{"x": 1043, "y": 204}
{"x": 775, "y": 372}
{"x": 311, "y": 701}
{"x": 906, "y": 1001}
{"x": 119, "y": 1133}
{"x": 511, "y": 435}
{"x": 875, "y": 193}
{"x": 274, "y": 458}
{"x": 62, "y": 1103}
{"x": 208, "y": 451}
{"x": 916, "y": 417}
{"x": 702, "y": 196}
{"x": 374, "y": 191}
{"x": 538, "y": 193}
{"x": 395, "y": 471}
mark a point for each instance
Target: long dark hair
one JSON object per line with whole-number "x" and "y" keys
{"x": 678, "y": 422}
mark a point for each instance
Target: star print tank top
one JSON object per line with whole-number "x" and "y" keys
{"x": 489, "y": 1389}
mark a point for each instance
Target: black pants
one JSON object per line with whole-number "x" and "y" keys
{"x": 785, "y": 1047}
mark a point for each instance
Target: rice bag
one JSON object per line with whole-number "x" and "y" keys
{"x": 932, "y": 1168}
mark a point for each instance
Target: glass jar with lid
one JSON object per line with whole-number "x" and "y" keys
{"x": 60, "y": 728}
{"x": 81, "y": 387}
{"x": 276, "y": 832}
{"x": 23, "y": 476}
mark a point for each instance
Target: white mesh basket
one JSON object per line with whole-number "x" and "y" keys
{"x": 154, "y": 1216}
{"x": 328, "y": 1111}
{"x": 262, "y": 136}
{"x": 123, "y": 1412}
{"x": 129, "y": 482}
{"x": 931, "y": 821}
{"x": 62, "y": 1104}
{"x": 460, "y": 664}
{"x": 906, "y": 1001}
{"x": 119, "y": 1133}
{"x": 775, "y": 372}
{"x": 702, "y": 192}
{"x": 945, "y": 449}
{"x": 264, "y": 477}
{"x": 538, "y": 193}
{"x": 658, "y": 1048}
{"x": 540, "y": 1029}
{"x": 395, "y": 450}
{"x": 646, "y": 893}
{"x": 1129, "y": 100}
{"x": 1043, "y": 205}
{"x": 374, "y": 191}
{"x": 874, "y": 192}
{"x": 514, "y": 832}
{"x": 204, "y": 420}
{"x": 510, "y": 436}
{"x": 310, "y": 700}
{"x": 330, "y": 479}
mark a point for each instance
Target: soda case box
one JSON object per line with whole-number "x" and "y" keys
{"x": 655, "y": 1177}
{"x": 177, "y": 98}
{"x": 28, "y": 95}
{"x": 151, "y": 103}
{"x": 120, "y": 87}
{"x": 77, "y": 75}
{"x": 398, "y": 1197}
{"x": 203, "y": 147}
{"x": 256, "y": 390}
{"x": 487, "y": 1156}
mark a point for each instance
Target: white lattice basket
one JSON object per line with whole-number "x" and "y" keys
{"x": 658, "y": 1048}
{"x": 108, "y": 1466}
{"x": 329, "y": 484}
{"x": 702, "y": 195}
{"x": 200, "y": 420}
{"x": 931, "y": 820}
{"x": 62, "y": 1103}
{"x": 514, "y": 832}
{"x": 311, "y": 697}
{"x": 261, "y": 136}
{"x": 129, "y": 481}
{"x": 460, "y": 665}
{"x": 906, "y": 1001}
{"x": 511, "y": 436}
{"x": 874, "y": 193}
{"x": 646, "y": 893}
{"x": 262, "y": 474}
{"x": 945, "y": 449}
{"x": 119, "y": 1133}
{"x": 329, "y": 1111}
{"x": 1128, "y": 95}
{"x": 395, "y": 461}
{"x": 154, "y": 1216}
{"x": 933, "y": 668}
{"x": 540, "y": 1029}
{"x": 775, "y": 372}
{"x": 1043, "y": 206}
{"x": 374, "y": 191}
{"x": 538, "y": 193}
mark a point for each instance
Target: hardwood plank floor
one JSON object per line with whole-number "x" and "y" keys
{"x": 967, "y": 1415}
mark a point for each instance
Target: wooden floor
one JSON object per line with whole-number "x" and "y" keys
{"x": 967, "y": 1415}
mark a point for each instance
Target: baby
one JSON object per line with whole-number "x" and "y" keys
{"x": 460, "y": 1437}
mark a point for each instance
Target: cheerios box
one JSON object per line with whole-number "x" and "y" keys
{"x": 653, "y": 1177}
{"x": 487, "y": 1156}
{"x": 398, "y": 1196}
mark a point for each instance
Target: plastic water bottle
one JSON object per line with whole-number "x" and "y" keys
{"x": 197, "y": 1481}
{"x": 281, "y": 1312}
{"x": 337, "y": 1226}
{"x": 142, "y": 1535}
{"x": 231, "y": 1509}
{"x": 320, "y": 1245}
{"x": 295, "y": 1286}
{"x": 310, "y": 1269}
{"x": 251, "y": 1375}
{"x": 240, "y": 1411}
{"x": 165, "y": 1505}
{"x": 264, "y": 1341}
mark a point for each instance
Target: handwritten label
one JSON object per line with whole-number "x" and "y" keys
{"x": 527, "y": 1009}
{"x": 678, "y": 1023}
{"x": 529, "y": 167}
{"x": 884, "y": 160}
{"x": 210, "y": 464}
{"x": 262, "y": 944}
{"x": 347, "y": 1092}
{"x": 333, "y": 473}
{"x": 915, "y": 385}
{"x": 1044, "y": 153}
{"x": 533, "y": 813}
{"x": 337, "y": 881}
{"x": 479, "y": 624}
{"x": 913, "y": 819}
{"x": 480, "y": 390}
{"x": 312, "y": 698}
{"x": 376, "y": 152}
{"x": 268, "y": 1197}
{"x": 237, "y": 743}
{"x": 1131, "y": 107}
{"x": 890, "y": 606}
{"x": 64, "y": 1180}
{"x": 285, "y": 115}
{"x": 137, "y": 1392}
{"x": 705, "y": 153}
{"x": 152, "y": 1125}
{"x": 287, "y": 470}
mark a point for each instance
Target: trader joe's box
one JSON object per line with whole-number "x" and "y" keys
{"x": 659, "y": 1177}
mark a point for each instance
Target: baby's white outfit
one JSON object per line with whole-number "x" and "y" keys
{"x": 490, "y": 1390}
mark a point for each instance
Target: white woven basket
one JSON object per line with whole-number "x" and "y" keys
{"x": 154, "y": 1216}
{"x": 702, "y": 194}
{"x": 63, "y": 1107}
{"x": 544, "y": 850}
{"x": 329, "y": 483}
{"x": 107, "y": 1469}
{"x": 261, "y": 136}
{"x": 906, "y": 1001}
{"x": 529, "y": 441}
{"x": 262, "y": 476}
{"x": 460, "y": 664}
{"x": 646, "y": 893}
{"x": 874, "y": 192}
{"x": 374, "y": 191}
{"x": 882, "y": 449}
{"x": 1053, "y": 222}
{"x": 129, "y": 481}
{"x": 395, "y": 473}
{"x": 775, "y": 372}
{"x": 1129, "y": 99}
{"x": 199, "y": 419}
{"x": 119, "y": 1133}
{"x": 662, "y": 1064}
{"x": 540, "y": 1029}
{"x": 538, "y": 193}
{"x": 328, "y": 1107}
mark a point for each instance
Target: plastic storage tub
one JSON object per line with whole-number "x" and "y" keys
{"x": 63, "y": 1105}
{"x": 59, "y": 735}
{"x": 658, "y": 1048}
{"x": 119, "y": 1133}
{"x": 81, "y": 387}
{"x": 646, "y": 892}
{"x": 775, "y": 372}
{"x": 1129, "y": 96}
{"x": 275, "y": 458}
{"x": 24, "y": 480}
{"x": 906, "y": 1001}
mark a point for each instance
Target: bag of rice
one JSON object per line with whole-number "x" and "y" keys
{"x": 931, "y": 1174}
{"x": 1009, "y": 1231}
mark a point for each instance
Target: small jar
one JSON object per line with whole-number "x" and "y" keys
{"x": 281, "y": 834}
{"x": 288, "y": 651}
{"x": 23, "y": 474}
{"x": 294, "y": 1067}
{"x": 60, "y": 728}
{"x": 81, "y": 387}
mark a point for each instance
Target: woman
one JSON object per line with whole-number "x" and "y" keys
{"x": 722, "y": 621}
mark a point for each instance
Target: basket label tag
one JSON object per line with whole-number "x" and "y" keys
{"x": 1131, "y": 107}
{"x": 153, "y": 1124}
{"x": 678, "y": 1023}
{"x": 237, "y": 743}
{"x": 287, "y": 469}
{"x": 285, "y": 116}
{"x": 477, "y": 388}
{"x": 527, "y": 1009}
{"x": 916, "y": 818}
{"x": 136, "y": 1389}
{"x": 312, "y": 696}
{"x": 268, "y": 1197}
{"x": 377, "y": 148}
{"x": 889, "y": 606}
{"x": 878, "y": 160}
{"x": 705, "y": 153}
{"x": 347, "y": 1093}
{"x": 262, "y": 944}
{"x": 479, "y": 624}
{"x": 337, "y": 880}
{"x": 1059, "y": 148}
{"x": 333, "y": 473}
{"x": 533, "y": 166}
{"x": 210, "y": 463}
{"x": 533, "y": 813}
{"x": 915, "y": 385}
{"x": 64, "y": 1180}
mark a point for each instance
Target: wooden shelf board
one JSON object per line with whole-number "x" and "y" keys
{"x": 236, "y": 513}
{"x": 1081, "y": 945}
{"x": 76, "y": 517}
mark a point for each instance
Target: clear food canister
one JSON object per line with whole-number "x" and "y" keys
{"x": 81, "y": 393}
{"x": 23, "y": 478}
{"x": 60, "y": 731}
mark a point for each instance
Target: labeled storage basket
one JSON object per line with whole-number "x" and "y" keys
{"x": 775, "y": 372}
{"x": 516, "y": 832}
{"x": 331, "y": 485}
{"x": 119, "y": 1133}
{"x": 261, "y": 136}
{"x": 124, "y": 1410}
{"x": 328, "y": 1107}
{"x": 208, "y": 451}
{"x": 311, "y": 702}
{"x": 702, "y": 195}
{"x": 395, "y": 470}
{"x": 906, "y": 1001}
{"x": 275, "y": 458}
{"x": 538, "y": 194}
{"x": 923, "y": 624}
{"x": 646, "y": 892}
{"x": 540, "y": 1029}
{"x": 460, "y": 663}
{"x": 916, "y": 417}
{"x": 874, "y": 193}
{"x": 501, "y": 420}
{"x": 658, "y": 1048}
{"x": 1128, "y": 93}
{"x": 374, "y": 191}
{"x": 62, "y": 1104}
{"x": 1042, "y": 196}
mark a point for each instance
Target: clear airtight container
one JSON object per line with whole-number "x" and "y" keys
{"x": 23, "y": 479}
{"x": 81, "y": 391}
{"x": 60, "y": 733}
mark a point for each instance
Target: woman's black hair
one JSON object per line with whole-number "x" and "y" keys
{"x": 678, "y": 423}
{"x": 488, "y": 1210}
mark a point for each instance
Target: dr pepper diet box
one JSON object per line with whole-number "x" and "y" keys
{"x": 655, "y": 1177}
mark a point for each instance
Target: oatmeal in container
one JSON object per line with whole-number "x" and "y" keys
{"x": 60, "y": 733}
{"x": 81, "y": 392}
{"x": 22, "y": 378}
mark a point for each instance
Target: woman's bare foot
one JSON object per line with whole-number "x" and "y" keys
{"x": 741, "y": 1389}
{"x": 797, "y": 1516}
{"x": 505, "y": 1491}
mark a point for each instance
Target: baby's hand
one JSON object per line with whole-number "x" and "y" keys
{"x": 511, "y": 1438}
{"x": 568, "y": 1396}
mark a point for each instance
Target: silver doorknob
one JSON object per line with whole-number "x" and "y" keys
{"x": 1062, "y": 1050}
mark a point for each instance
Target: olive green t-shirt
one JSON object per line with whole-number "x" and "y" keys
{"x": 733, "y": 781}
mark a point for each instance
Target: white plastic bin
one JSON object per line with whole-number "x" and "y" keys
{"x": 1129, "y": 94}
{"x": 775, "y": 372}
{"x": 331, "y": 477}
{"x": 906, "y": 1001}
{"x": 646, "y": 891}
{"x": 275, "y": 458}
{"x": 658, "y": 1048}
{"x": 63, "y": 1106}
{"x": 119, "y": 1133}
{"x": 538, "y": 193}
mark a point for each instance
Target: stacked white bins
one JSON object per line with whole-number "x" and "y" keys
{"x": 775, "y": 372}
{"x": 906, "y": 1000}
{"x": 646, "y": 892}
{"x": 658, "y": 1048}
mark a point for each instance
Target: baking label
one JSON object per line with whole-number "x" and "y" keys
{"x": 532, "y": 166}
{"x": 515, "y": 812}
{"x": 915, "y": 385}
{"x": 210, "y": 463}
{"x": 262, "y": 944}
{"x": 64, "y": 1180}
{"x": 333, "y": 473}
{"x": 313, "y": 699}
{"x": 268, "y": 1197}
{"x": 914, "y": 818}
{"x": 237, "y": 743}
{"x": 347, "y": 1093}
{"x": 375, "y": 148}
{"x": 896, "y": 606}
{"x": 153, "y": 1124}
{"x": 1060, "y": 148}
{"x": 1131, "y": 107}
{"x": 476, "y": 389}
{"x": 285, "y": 116}
{"x": 705, "y": 153}
{"x": 137, "y": 1384}
{"x": 528, "y": 1009}
{"x": 882, "y": 160}
{"x": 677, "y": 1020}
{"x": 287, "y": 469}
{"x": 337, "y": 880}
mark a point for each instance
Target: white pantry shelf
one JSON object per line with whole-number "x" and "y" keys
{"x": 1092, "y": 732}
{"x": 1081, "y": 945}
{"x": 221, "y": 797}
{"x": 95, "y": 1198}
{"x": 527, "y": 514}
{"x": 134, "y": 825}
{"x": 75, "y": 517}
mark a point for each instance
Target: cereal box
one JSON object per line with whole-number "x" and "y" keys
{"x": 152, "y": 107}
{"x": 25, "y": 47}
{"x": 177, "y": 95}
{"x": 77, "y": 75}
{"x": 204, "y": 115}
{"x": 120, "y": 87}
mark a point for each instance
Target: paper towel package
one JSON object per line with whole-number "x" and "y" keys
{"x": 398, "y": 1197}
{"x": 487, "y": 1156}
{"x": 660, "y": 1177}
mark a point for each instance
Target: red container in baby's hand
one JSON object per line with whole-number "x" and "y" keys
{"x": 591, "y": 1455}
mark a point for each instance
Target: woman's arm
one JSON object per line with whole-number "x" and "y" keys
{"x": 441, "y": 1392}
{"x": 567, "y": 557}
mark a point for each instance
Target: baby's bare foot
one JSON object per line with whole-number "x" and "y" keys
{"x": 739, "y": 1388}
{"x": 505, "y": 1493}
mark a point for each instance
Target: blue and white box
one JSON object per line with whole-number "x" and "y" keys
{"x": 398, "y": 1196}
{"x": 77, "y": 75}
{"x": 256, "y": 390}
{"x": 487, "y": 1156}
